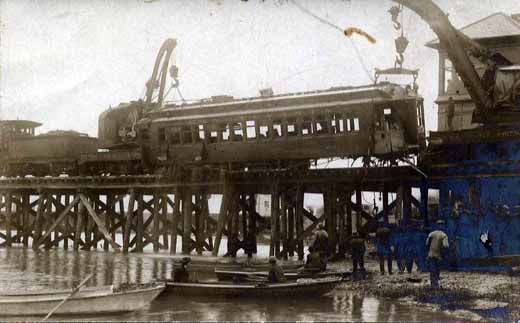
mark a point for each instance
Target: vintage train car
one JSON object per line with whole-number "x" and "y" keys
{"x": 382, "y": 120}
{"x": 53, "y": 153}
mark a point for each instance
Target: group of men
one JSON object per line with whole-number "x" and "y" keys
{"x": 387, "y": 248}
{"x": 405, "y": 251}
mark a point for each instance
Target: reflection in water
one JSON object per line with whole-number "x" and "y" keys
{"x": 25, "y": 269}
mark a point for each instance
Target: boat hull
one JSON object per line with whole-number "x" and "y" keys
{"x": 289, "y": 289}
{"x": 85, "y": 302}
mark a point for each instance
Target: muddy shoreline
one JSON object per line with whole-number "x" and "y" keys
{"x": 472, "y": 295}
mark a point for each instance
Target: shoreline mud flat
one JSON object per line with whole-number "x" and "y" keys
{"x": 474, "y": 296}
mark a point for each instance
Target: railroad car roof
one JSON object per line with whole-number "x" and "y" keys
{"x": 339, "y": 96}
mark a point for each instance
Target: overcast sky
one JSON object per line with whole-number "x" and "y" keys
{"x": 64, "y": 62}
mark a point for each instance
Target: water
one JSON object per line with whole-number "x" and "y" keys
{"x": 25, "y": 269}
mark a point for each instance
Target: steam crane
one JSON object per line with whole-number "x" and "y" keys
{"x": 489, "y": 110}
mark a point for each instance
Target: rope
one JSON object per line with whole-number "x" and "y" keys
{"x": 334, "y": 26}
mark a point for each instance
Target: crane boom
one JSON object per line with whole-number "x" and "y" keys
{"x": 457, "y": 45}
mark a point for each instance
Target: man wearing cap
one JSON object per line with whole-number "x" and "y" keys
{"x": 276, "y": 274}
{"x": 180, "y": 273}
{"x": 436, "y": 241}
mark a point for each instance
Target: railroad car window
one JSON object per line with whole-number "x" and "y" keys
{"x": 336, "y": 124}
{"x": 213, "y": 136}
{"x": 186, "y": 135}
{"x": 348, "y": 124}
{"x": 307, "y": 126}
{"x": 356, "y": 124}
{"x": 238, "y": 132}
{"x": 162, "y": 134}
{"x": 225, "y": 132}
{"x": 292, "y": 127}
{"x": 277, "y": 128}
{"x": 263, "y": 130}
{"x": 251, "y": 129}
{"x": 321, "y": 125}
{"x": 201, "y": 134}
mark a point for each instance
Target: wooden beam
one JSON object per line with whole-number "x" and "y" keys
{"x": 8, "y": 220}
{"x": 98, "y": 221}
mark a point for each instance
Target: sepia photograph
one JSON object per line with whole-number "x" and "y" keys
{"x": 260, "y": 160}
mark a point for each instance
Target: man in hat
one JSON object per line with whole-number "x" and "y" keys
{"x": 180, "y": 273}
{"x": 313, "y": 263}
{"x": 321, "y": 245}
{"x": 276, "y": 274}
{"x": 437, "y": 241}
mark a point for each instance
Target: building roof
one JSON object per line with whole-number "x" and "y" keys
{"x": 20, "y": 123}
{"x": 497, "y": 25}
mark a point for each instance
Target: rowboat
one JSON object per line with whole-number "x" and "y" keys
{"x": 301, "y": 287}
{"x": 241, "y": 275}
{"x": 93, "y": 300}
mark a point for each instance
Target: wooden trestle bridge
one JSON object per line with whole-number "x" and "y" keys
{"x": 81, "y": 212}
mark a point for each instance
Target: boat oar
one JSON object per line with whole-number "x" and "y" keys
{"x": 74, "y": 291}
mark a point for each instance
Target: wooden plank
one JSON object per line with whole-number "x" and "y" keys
{"x": 60, "y": 218}
{"x": 128, "y": 223}
{"x": 223, "y": 213}
{"x": 98, "y": 221}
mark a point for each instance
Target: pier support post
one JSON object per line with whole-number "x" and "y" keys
{"x": 175, "y": 221}
{"x": 128, "y": 222}
{"x": 139, "y": 232}
{"x": 8, "y": 218}
{"x": 299, "y": 221}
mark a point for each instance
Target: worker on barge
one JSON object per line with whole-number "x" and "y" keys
{"x": 384, "y": 250}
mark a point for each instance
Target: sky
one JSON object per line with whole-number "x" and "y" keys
{"x": 64, "y": 62}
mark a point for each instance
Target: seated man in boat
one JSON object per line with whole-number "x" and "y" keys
{"x": 180, "y": 273}
{"x": 313, "y": 260}
{"x": 276, "y": 274}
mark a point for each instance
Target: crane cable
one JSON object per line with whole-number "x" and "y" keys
{"x": 347, "y": 32}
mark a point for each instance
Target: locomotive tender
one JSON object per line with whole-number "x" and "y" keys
{"x": 54, "y": 153}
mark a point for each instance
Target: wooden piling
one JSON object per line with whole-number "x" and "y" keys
{"x": 128, "y": 222}
{"x": 139, "y": 232}
{"x": 299, "y": 221}
{"x": 175, "y": 221}
{"x": 8, "y": 218}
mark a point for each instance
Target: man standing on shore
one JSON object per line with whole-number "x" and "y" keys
{"x": 436, "y": 241}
